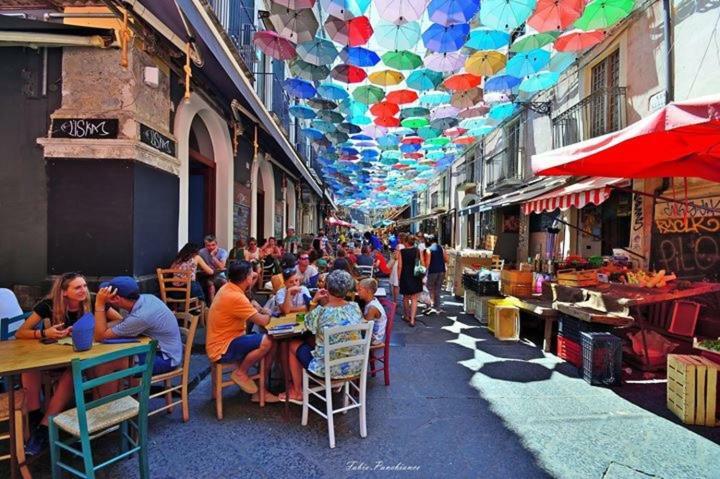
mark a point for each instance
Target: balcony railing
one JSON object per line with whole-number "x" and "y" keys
{"x": 601, "y": 112}
{"x": 503, "y": 169}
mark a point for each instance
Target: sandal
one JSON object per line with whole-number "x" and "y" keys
{"x": 282, "y": 397}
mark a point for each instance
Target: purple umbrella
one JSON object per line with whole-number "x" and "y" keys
{"x": 445, "y": 62}
{"x": 440, "y": 38}
{"x": 401, "y": 10}
{"x": 374, "y": 131}
{"x": 451, "y": 12}
{"x": 446, "y": 111}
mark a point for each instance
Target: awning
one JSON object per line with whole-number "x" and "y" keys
{"x": 592, "y": 190}
{"x": 533, "y": 189}
{"x": 680, "y": 140}
{"x": 22, "y": 32}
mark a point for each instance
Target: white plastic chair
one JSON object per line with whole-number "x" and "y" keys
{"x": 327, "y": 383}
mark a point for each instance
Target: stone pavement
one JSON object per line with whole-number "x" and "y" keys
{"x": 460, "y": 404}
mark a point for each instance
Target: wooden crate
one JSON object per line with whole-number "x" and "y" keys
{"x": 578, "y": 278}
{"x": 692, "y": 389}
{"x": 491, "y": 305}
{"x": 516, "y": 276}
{"x": 507, "y": 323}
{"x": 516, "y": 283}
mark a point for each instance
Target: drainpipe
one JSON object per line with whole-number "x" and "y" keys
{"x": 667, "y": 43}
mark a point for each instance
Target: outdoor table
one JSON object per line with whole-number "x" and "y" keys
{"x": 540, "y": 307}
{"x": 283, "y": 339}
{"x": 23, "y": 355}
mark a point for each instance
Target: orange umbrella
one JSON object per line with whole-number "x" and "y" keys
{"x": 485, "y": 62}
{"x": 386, "y": 77}
{"x": 462, "y": 82}
{"x": 384, "y": 108}
{"x": 401, "y": 96}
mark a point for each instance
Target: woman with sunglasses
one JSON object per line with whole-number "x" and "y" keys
{"x": 69, "y": 299}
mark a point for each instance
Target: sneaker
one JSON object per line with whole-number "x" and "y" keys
{"x": 246, "y": 384}
{"x": 38, "y": 442}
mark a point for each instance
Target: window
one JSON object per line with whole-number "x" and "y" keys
{"x": 434, "y": 200}
{"x": 512, "y": 139}
{"x": 604, "y": 113}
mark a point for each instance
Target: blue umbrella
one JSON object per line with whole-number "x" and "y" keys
{"x": 451, "y": 12}
{"x": 322, "y": 125}
{"x": 352, "y": 108}
{"x": 389, "y": 140}
{"x": 424, "y": 79}
{"x": 319, "y": 52}
{"x": 505, "y": 14}
{"x": 361, "y": 137}
{"x": 302, "y": 111}
{"x": 333, "y": 92}
{"x": 312, "y": 133}
{"x": 561, "y": 61}
{"x": 359, "y": 56}
{"x": 435, "y": 98}
{"x": 443, "y": 39}
{"x": 410, "y": 147}
{"x": 348, "y": 128}
{"x": 501, "y": 83}
{"x": 359, "y": 120}
{"x": 487, "y": 39}
{"x": 299, "y": 88}
{"x": 501, "y": 111}
{"x": 539, "y": 81}
{"x": 527, "y": 63}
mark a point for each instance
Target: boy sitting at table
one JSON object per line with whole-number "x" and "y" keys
{"x": 373, "y": 310}
{"x": 293, "y": 297}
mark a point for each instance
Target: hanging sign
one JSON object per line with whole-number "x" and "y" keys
{"x": 157, "y": 140}
{"x": 85, "y": 128}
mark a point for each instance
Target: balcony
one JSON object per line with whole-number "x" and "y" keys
{"x": 601, "y": 112}
{"x": 466, "y": 177}
{"x": 502, "y": 170}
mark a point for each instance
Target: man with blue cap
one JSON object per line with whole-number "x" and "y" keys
{"x": 148, "y": 316}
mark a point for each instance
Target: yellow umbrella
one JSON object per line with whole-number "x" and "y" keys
{"x": 485, "y": 63}
{"x": 386, "y": 77}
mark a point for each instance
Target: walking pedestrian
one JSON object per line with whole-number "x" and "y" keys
{"x": 436, "y": 258}
{"x": 411, "y": 278}
{"x": 394, "y": 269}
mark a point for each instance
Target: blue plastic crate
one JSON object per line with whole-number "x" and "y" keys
{"x": 602, "y": 359}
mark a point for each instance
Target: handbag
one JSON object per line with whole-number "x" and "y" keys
{"x": 419, "y": 270}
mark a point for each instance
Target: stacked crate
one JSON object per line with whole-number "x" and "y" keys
{"x": 506, "y": 323}
{"x": 516, "y": 283}
{"x": 692, "y": 389}
{"x": 569, "y": 340}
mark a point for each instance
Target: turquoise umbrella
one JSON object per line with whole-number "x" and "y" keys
{"x": 427, "y": 132}
{"x": 487, "y": 39}
{"x": 302, "y": 112}
{"x": 561, "y": 61}
{"x": 352, "y": 108}
{"x": 527, "y": 63}
{"x": 396, "y": 36}
{"x": 322, "y": 125}
{"x": 481, "y": 131}
{"x": 505, "y": 14}
{"x": 332, "y": 92}
{"x": 435, "y": 98}
{"x": 539, "y": 81}
{"x": 501, "y": 111}
{"x": 359, "y": 120}
{"x": 471, "y": 123}
{"x": 423, "y": 79}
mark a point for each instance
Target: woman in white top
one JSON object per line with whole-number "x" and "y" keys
{"x": 394, "y": 273}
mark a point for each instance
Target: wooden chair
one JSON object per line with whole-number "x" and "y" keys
{"x": 490, "y": 242}
{"x": 167, "y": 280}
{"x": 375, "y": 349}
{"x": 90, "y": 420}
{"x": 218, "y": 371}
{"x": 20, "y": 426}
{"x": 497, "y": 263}
{"x": 326, "y": 384}
{"x": 188, "y": 330}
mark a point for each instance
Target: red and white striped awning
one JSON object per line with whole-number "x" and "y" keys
{"x": 593, "y": 190}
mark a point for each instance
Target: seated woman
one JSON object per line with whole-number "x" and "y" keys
{"x": 69, "y": 299}
{"x": 188, "y": 261}
{"x": 292, "y": 297}
{"x": 336, "y": 312}
{"x": 373, "y": 309}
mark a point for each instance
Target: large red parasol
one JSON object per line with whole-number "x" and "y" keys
{"x": 681, "y": 140}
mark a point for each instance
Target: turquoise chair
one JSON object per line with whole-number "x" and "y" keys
{"x": 100, "y": 416}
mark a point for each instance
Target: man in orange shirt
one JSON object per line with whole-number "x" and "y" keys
{"x": 227, "y": 341}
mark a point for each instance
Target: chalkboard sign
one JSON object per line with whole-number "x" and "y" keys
{"x": 157, "y": 140}
{"x": 241, "y": 228}
{"x": 688, "y": 245}
{"x": 87, "y": 128}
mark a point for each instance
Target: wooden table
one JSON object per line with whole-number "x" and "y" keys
{"x": 22, "y": 355}
{"x": 540, "y": 307}
{"x": 283, "y": 339}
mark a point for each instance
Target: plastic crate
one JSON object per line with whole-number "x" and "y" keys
{"x": 507, "y": 323}
{"x": 570, "y": 351}
{"x": 470, "y": 301}
{"x": 602, "y": 359}
{"x": 481, "y": 309}
{"x": 491, "y": 305}
{"x": 482, "y": 288}
{"x": 572, "y": 328}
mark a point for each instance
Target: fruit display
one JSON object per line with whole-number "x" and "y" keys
{"x": 647, "y": 279}
{"x": 713, "y": 344}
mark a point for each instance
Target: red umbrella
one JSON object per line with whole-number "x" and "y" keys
{"x": 577, "y": 40}
{"x": 348, "y": 74}
{"x": 464, "y": 140}
{"x": 384, "y": 108}
{"x": 555, "y": 14}
{"x": 454, "y": 132}
{"x": 413, "y": 156}
{"x": 353, "y": 32}
{"x": 400, "y": 97}
{"x": 274, "y": 45}
{"x": 387, "y": 121}
{"x": 462, "y": 82}
{"x": 681, "y": 140}
{"x": 409, "y": 140}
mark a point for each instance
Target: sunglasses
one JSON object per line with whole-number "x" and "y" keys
{"x": 304, "y": 257}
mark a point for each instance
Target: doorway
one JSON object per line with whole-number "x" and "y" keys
{"x": 201, "y": 183}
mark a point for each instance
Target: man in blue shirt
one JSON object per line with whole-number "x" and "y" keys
{"x": 215, "y": 257}
{"x": 148, "y": 316}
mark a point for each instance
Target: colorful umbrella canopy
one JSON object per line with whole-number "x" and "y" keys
{"x": 308, "y": 71}
{"x": 485, "y": 62}
{"x": 445, "y": 62}
{"x": 401, "y": 10}
{"x": 332, "y": 92}
{"x": 604, "y": 13}
{"x": 555, "y": 14}
{"x": 322, "y": 104}
{"x": 353, "y": 32}
{"x": 531, "y": 41}
{"x": 539, "y": 81}
{"x": 394, "y": 36}
{"x": 422, "y": 80}
{"x": 384, "y": 108}
{"x": 301, "y": 111}
{"x": 401, "y": 97}
{"x": 387, "y": 121}
{"x": 318, "y": 52}
{"x": 487, "y": 39}
{"x": 296, "y": 4}
{"x": 501, "y": 83}
{"x": 435, "y": 97}
{"x": 368, "y": 94}
{"x": 451, "y": 12}
{"x": 462, "y": 82}
{"x": 345, "y": 9}
{"x": 505, "y": 14}
{"x": 299, "y": 88}
{"x": 467, "y": 98}
{"x": 440, "y": 38}
{"x": 348, "y": 74}
{"x": 578, "y": 40}
{"x": 402, "y": 60}
{"x": 359, "y": 56}
{"x": 527, "y": 63}
{"x": 274, "y": 45}
{"x": 295, "y": 25}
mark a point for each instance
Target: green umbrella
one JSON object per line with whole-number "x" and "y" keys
{"x": 307, "y": 71}
{"x": 322, "y": 125}
{"x": 532, "y": 41}
{"x": 337, "y": 137}
{"x": 428, "y": 133}
{"x": 415, "y": 122}
{"x": 439, "y": 141}
{"x": 402, "y": 60}
{"x": 368, "y": 94}
{"x": 414, "y": 111}
{"x": 604, "y": 13}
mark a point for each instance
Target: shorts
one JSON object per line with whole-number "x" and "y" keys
{"x": 304, "y": 354}
{"x": 240, "y": 347}
{"x": 161, "y": 364}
